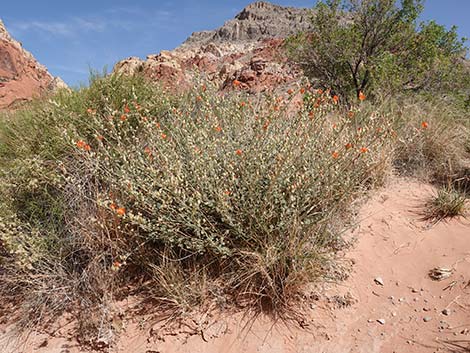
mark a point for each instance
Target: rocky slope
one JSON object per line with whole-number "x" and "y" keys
{"x": 245, "y": 50}
{"x": 21, "y": 76}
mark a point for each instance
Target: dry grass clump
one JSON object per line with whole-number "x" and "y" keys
{"x": 120, "y": 188}
{"x": 434, "y": 139}
{"x": 447, "y": 203}
{"x": 457, "y": 346}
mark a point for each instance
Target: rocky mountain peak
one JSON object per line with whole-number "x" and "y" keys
{"x": 3, "y": 31}
{"x": 257, "y": 21}
{"x": 262, "y": 10}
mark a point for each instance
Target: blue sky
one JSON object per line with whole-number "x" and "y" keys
{"x": 69, "y": 37}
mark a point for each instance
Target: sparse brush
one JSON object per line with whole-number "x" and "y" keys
{"x": 447, "y": 203}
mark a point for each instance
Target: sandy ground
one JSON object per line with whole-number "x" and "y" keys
{"x": 403, "y": 311}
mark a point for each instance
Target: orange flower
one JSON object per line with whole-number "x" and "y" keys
{"x": 83, "y": 145}
{"x": 361, "y": 96}
{"x": 227, "y": 192}
{"x": 302, "y": 90}
{"x": 335, "y": 155}
{"x": 424, "y": 125}
{"x": 311, "y": 114}
{"x": 126, "y": 109}
{"x": 236, "y": 83}
{"x": 123, "y": 117}
{"x": 239, "y": 152}
{"x": 204, "y": 88}
{"x": 351, "y": 114}
{"x": 163, "y": 135}
{"x": 266, "y": 124}
{"x": 364, "y": 149}
{"x": 148, "y": 151}
{"x": 121, "y": 211}
{"x": 290, "y": 91}
{"x": 218, "y": 129}
{"x": 348, "y": 146}
{"x": 157, "y": 125}
{"x": 320, "y": 91}
{"x": 242, "y": 104}
{"x": 335, "y": 99}
{"x": 199, "y": 98}
{"x": 113, "y": 206}
{"x": 116, "y": 265}
{"x": 100, "y": 137}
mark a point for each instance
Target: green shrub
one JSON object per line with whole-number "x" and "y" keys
{"x": 377, "y": 47}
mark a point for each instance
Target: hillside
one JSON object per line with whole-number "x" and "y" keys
{"x": 246, "y": 49}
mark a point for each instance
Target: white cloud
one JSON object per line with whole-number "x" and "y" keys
{"x": 123, "y": 18}
{"x": 92, "y": 25}
{"x": 59, "y": 28}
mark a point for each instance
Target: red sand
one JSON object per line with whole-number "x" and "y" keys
{"x": 393, "y": 244}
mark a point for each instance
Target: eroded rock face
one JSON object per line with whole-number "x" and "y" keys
{"x": 258, "y": 21}
{"x": 247, "y": 50}
{"x": 21, "y": 76}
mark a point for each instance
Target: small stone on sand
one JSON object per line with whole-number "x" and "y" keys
{"x": 379, "y": 281}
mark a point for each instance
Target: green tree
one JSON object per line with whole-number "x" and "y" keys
{"x": 367, "y": 45}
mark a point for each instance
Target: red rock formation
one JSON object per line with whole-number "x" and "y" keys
{"x": 246, "y": 50}
{"x": 21, "y": 76}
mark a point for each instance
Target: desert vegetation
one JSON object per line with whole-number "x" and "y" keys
{"x": 199, "y": 198}
{"x": 379, "y": 47}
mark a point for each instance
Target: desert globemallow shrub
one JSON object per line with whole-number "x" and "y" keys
{"x": 122, "y": 183}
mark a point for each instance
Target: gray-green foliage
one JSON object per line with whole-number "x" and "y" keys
{"x": 99, "y": 183}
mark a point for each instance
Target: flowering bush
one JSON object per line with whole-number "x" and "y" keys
{"x": 115, "y": 182}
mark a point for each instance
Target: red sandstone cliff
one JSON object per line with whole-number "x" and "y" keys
{"x": 21, "y": 76}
